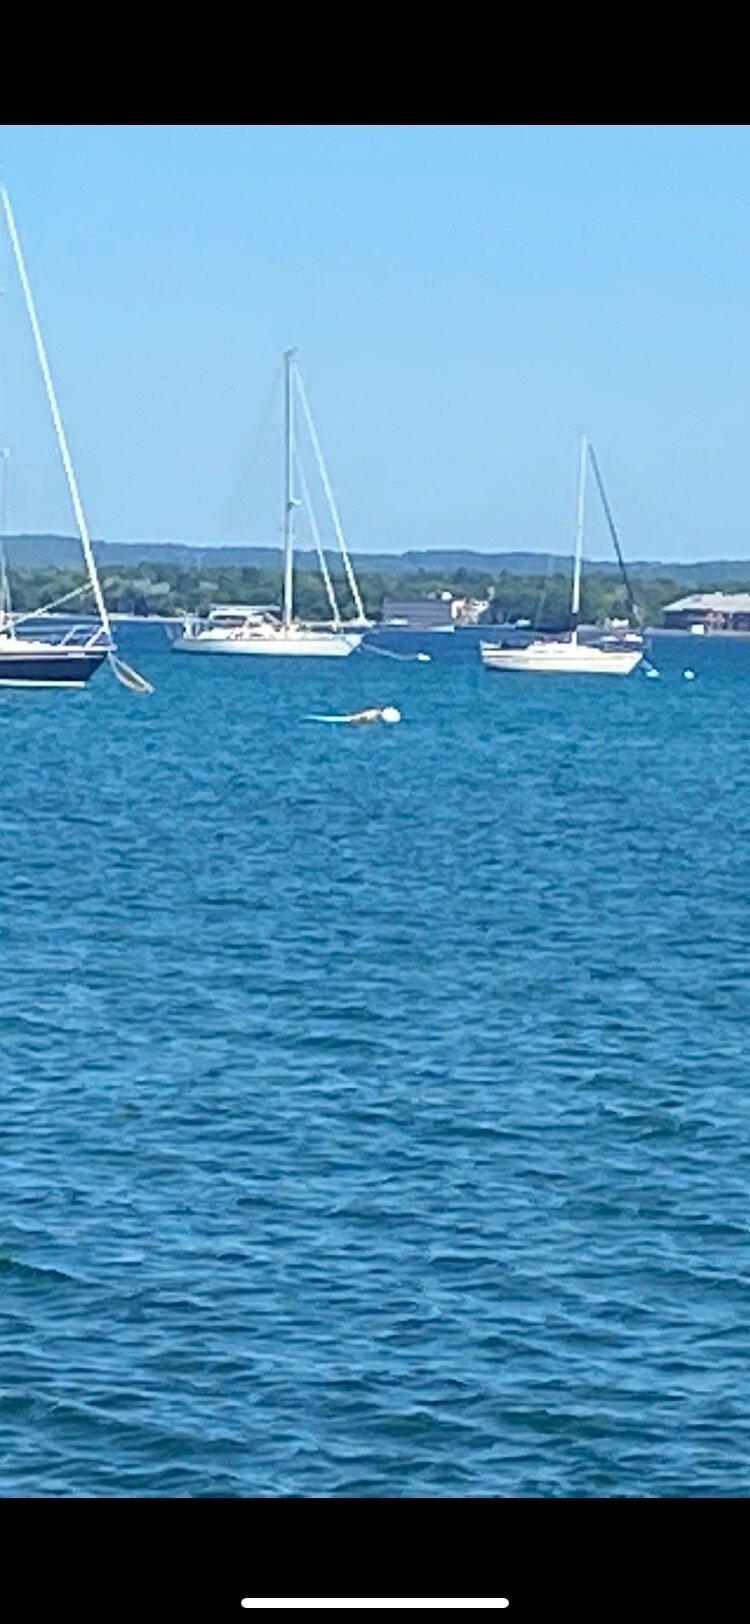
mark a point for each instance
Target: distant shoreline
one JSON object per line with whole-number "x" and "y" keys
{"x": 30, "y": 551}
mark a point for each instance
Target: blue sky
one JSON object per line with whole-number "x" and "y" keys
{"x": 465, "y": 301}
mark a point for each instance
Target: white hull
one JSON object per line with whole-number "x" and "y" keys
{"x": 557, "y": 657}
{"x": 18, "y": 682}
{"x": 326, "y": 645}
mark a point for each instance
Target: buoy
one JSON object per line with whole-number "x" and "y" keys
{"x": 425, "y": 657}
{"x": 651, "y": 671}
{"x": 389, "y": 713}
{"x": 689, "y": 675}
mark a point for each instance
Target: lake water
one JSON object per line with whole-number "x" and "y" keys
{"x": 374, "y": 1105}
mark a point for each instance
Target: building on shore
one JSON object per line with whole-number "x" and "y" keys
{"x": 709, "y": 612}
{"x": 441, "y": 612}
{"x": 419, "y": 614}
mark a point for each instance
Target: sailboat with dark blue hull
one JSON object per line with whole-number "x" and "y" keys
{"x": 26, "y": 663}
{"x": 55, "y": 660}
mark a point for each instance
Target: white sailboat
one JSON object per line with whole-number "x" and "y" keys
{"x": 570, "y": 654}
{"x": 259, "y": 629}
{"x": 71, "y": 658}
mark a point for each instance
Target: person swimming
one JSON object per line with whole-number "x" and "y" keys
{"x": 373, "y": 713}
{"x": 376, "y": 713}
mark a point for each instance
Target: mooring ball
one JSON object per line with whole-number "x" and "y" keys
{"x": 390, "y": 714}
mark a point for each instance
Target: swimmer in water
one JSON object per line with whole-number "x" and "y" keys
{"x": 376, "y": 713}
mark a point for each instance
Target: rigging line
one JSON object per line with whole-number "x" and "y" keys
{"x": 318, "y": 544}
{"x": 322, "y": 470}
{"x": 46, "y": 608}
{"x": 5, "y": 601}
{"x": 77, "y": 591}
{"x": 54, "y": 409}
{"x": 633, "y": 607}
{"x": 129, "y": 678}
{"x": 388, "y": 653}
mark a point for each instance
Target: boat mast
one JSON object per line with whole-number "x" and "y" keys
{"x": 80, "y": 517}
{"x": 124, "y": 673}
{"x": 575, "y": 600}
{"x": 289, "y": 501}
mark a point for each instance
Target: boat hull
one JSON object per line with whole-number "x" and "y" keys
{"x": 48, "y": 668}
{"x": 321, "y": 646}
{"x": 560, "y": 657}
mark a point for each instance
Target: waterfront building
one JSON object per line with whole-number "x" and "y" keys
{"x": 709, "y": 611}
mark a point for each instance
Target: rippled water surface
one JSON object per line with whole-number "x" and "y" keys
{"x": 375, "y": 1112}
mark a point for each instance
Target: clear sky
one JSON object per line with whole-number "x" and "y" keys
{"x": 466, "y": 300}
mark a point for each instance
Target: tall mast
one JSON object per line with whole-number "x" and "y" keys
{"x": 125, "y": 674}
{"x": 80, "y": 517}
{"x": 289, "y": 501}
{"x": 575, "y": 600}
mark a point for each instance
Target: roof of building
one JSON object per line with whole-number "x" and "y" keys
{"x": 725, "y": 603}
{"x": 438, "y": 608}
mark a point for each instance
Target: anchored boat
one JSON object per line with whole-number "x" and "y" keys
{"x": 234, "y": 629}
{"x": 70, "y": 659}
{"x": 253, "y": 629}
{"x": 548, "y": 655}
{"x": 611, "y": 657}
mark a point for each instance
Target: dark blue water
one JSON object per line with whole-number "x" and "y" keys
{"x": 374, "y": 1111}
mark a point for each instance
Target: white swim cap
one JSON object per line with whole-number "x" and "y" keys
{"x": 390, "y": 714}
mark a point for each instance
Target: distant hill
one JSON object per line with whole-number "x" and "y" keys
{"x": 63, "y": 552}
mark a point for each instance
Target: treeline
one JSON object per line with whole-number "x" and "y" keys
{"x": 167, "y": 589}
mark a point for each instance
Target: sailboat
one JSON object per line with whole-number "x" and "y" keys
{"x": 264, "y": 629}
{"x": 570, "y": 654}
{"x": 71, "y": 658}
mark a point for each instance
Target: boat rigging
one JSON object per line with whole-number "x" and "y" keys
{"x": 266, "y": 629}
{"x": 62, "y": 662}
{"x": 570, "y": 654}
